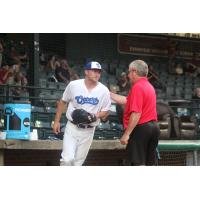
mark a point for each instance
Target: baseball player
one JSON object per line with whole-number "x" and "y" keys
{"x": 84, "y": 94}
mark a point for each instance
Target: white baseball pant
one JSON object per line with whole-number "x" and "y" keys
{"x": 76, "y": 145}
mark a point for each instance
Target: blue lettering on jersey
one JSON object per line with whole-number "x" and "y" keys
{"x": 87, "y": 100}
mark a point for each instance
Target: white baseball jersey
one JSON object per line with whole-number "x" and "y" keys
{"x": 78, "y": 96}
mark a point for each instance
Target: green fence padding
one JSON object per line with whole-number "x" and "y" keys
{"x": 179, "y": 145}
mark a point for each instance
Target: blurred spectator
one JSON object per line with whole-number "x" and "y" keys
{"x": 114, "y": 88}
{"x": 64, "y": 73}
{"x": 152, "y": 74}
{"x": 1, "y": 53}
{"x": 17, "y": 67}
{"x": 179, "y": 69}
{"x": 155, "y": 80}
{"x": 123, "y": 83}
{"x": 73, "y": 75}
{"x": 196, "y": 94}
{"x": 192, "y": 68}
{"x": 6, "y": 73}
{"x": 43, "y": 59}
{"x": 196, "y": 98}
{"x": 18, "y": 52}
{"x": 172, "y": 48}
{"x": 21, "y": 81}
{"x": 43, "y": 62}
{"x": 52, "y": 63}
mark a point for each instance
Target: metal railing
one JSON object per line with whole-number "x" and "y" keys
{"x": 46, "y": 98}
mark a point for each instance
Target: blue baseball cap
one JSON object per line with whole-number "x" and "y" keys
{"x": 92, "y": 65}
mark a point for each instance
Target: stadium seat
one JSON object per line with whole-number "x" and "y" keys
{"x": 51, "y": 85}
{"x": 37, "y": 109}
{"x": 103, "y": 126}
{"x": 188, "y": 127}
{"x": 105, "y": 66}
{"x": 170, "y": 91}
{"x": 43, "y": 82}
{"x": 112, "y": 80}
{"x": 44, "y": 128}
{"x": 164, "y": 123}
{"x": 113, "y": 67}
{"x": 179, "y": 91}
{"x": 112, "y": 134}
{"x": 61, "y": 86}
{"x": 116, "y": 126}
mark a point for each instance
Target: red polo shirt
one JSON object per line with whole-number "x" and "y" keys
{"x": 141, "y": 99}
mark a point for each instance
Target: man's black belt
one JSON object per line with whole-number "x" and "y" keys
{"x": 149, "y": 122}
{"x": 82, "y": 125}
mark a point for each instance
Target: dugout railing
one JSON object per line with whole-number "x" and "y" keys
{"x": 43, "y": 101}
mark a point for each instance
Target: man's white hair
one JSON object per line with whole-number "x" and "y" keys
{"x": 140, "y": 66}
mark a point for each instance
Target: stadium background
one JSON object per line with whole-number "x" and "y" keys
{"x": 79, "y": 48}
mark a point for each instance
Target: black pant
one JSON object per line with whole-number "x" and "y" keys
{"x": 142, "y": 144}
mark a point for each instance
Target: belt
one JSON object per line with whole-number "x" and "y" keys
{"x": 82, "y": 125}
{"x": 149, "y": 122}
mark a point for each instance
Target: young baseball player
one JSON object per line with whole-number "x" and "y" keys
{"x": 92, "y": 96}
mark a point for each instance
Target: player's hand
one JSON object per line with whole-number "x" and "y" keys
{"x": 124, "y": 139}
{"x": 56, "y": 127}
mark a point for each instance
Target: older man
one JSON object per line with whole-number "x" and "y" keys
{"x": 140, "y": 116}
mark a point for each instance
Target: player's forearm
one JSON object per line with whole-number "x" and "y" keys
{"x": 102, "y": 115}
{"x": 119, "y": 99}
{"x": 134, "y": 118}
{"x": 60, "y": 107}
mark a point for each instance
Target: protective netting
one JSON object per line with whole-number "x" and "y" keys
{"x": 172, "y": 158}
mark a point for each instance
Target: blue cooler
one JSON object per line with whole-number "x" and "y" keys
{"x": 17, "y": 120}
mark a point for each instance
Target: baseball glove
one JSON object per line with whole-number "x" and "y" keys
{"x": 81, "y": 116}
